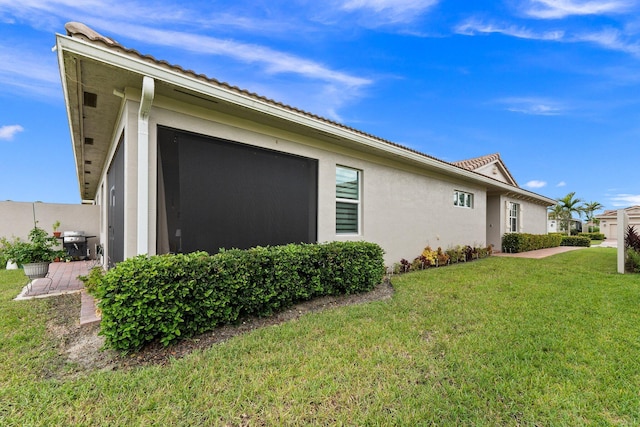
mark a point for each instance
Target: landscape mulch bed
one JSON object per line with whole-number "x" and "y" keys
{"x": 82, "y": 346}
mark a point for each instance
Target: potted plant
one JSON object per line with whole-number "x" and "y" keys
{"x": 56, "y": 225}
{"x": 36, "y": 254}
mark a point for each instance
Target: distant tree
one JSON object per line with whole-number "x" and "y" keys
{"x": 570, "y": 205}
{"x": 589, "y": 210}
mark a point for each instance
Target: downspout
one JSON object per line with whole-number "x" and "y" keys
{"x": 146, "y": 100}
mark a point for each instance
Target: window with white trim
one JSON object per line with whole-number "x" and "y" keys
{"x": 463, "y": 199}
{"x": 347, "y": 200}
{"x": 514, "y": 214}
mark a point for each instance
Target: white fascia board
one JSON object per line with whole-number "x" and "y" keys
{"x": 142, "y": 67}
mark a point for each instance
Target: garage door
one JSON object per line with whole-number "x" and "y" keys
{"x": 613, "y": 231}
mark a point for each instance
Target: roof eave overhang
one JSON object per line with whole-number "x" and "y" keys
{"x": 70, "y": 105}
{"x": 140, "y": 66}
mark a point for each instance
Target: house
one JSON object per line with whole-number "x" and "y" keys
{"x": 609, "y": 221}
{"x": 560, "y": 226}
{"x": 178, "y": 162}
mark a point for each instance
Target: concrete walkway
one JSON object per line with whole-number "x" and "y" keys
{"x": 540, "y": 253}
{"x": 543, "y": 253}
{"x": 63, "y": 279}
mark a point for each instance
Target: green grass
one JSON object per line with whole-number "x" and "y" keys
{"x": 501, "y": 341}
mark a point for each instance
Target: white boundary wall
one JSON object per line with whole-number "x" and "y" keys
{"x": 16, "y": 219}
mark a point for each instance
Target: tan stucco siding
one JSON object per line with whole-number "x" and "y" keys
{"x": 533, "y": 218}
{"x": 493, "y": 171}
{"x": 609, "y": 226}
{"x": 404, "y": 207}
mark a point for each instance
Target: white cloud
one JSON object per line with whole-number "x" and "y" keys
{"x": 561, "y": 184}
{"x": 557, "y": 9}
{"x": 535, "y": 184}
{"x": 24, "y": 70}
{"x": 624, "y": 200}
{"x": 9, "y": 131}
{"x": 274, "y": 61}
{"x": 611, "y": 39}
{"x": 532, "y": 105}
{"x": 389, "y": 11}
{"x": 163, "y": 26}
{"x": 472, "y": 27}
{"x": 608, "y": 38}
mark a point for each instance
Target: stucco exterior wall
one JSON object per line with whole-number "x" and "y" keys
{"x": 493, "y": 171}
{"x": 403, "y": 208}
{"x": 609, "y": 226}
{"x": 16, "y": 219}
{"x": 535, "y": 220}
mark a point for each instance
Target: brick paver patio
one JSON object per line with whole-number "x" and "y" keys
{"x": 63, "y": 279}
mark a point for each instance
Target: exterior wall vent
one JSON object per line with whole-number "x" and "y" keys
{"x": 90, "y": 100}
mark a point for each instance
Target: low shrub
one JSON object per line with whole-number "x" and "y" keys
{"x": 632, "y": 261}
{"x": 524, "y": 242}
{"x": 169, "y": 297}
{"x": 593, "y": 236}
{"x": 576, "y": 241}
{"x": 438, "y": 258}
{"x": 632, "y": 250}
{"x": 92, "y": 280}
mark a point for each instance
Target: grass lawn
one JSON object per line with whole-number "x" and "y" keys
{"x": 501, "y": 341}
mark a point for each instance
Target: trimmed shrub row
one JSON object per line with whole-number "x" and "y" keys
{"x": 593, "y": 236}
{"x": 576, "y": 241}
{"x": 169, "y": 297}
{"x": 523, "y": 242}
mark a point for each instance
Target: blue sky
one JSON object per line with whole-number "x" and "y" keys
{"x": 552, "y": 85}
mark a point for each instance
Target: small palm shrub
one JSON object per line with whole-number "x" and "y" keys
{"x": 632, "y": 250}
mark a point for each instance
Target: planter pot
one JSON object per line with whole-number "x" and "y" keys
{"x": 36, "y": 270}
{"x": 11, "y": 265}
{"x": 57, "y": 233}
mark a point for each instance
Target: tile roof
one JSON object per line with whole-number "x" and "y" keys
{"x": 473, "y": 164}
{"x": 77, "y": 29}
{"x": 614, "y": 212}
{"x": 478, "y": 162}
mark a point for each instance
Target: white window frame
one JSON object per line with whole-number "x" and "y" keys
{"x": 357, "y": 202}
{"x": 463, "y": 199}
{"x": 514, "y": 217}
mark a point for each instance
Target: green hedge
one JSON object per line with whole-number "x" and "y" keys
{"x": 576, "y": 241}
{"x": 593, "y": 236}
{"x": 523, "y": 242}
{"x": 169, "y": 297}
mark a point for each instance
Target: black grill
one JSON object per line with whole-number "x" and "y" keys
{"x": 75, "y": 244}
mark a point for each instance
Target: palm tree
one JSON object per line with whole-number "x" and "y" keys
{"x": 589, "y": 209}
{"x": 570, "y": 205}
{"x": 556, "y": 212}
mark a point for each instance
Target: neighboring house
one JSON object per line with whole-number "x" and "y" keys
{"x": 559, "y": 226}
{"x": 178, "y": 161}
{"x": 609, "y": 221}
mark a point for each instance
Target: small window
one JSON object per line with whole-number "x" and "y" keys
{"x": 514, "y": 213}
{"x": 463, "y": 199}
{"x": 347, "y": 200}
